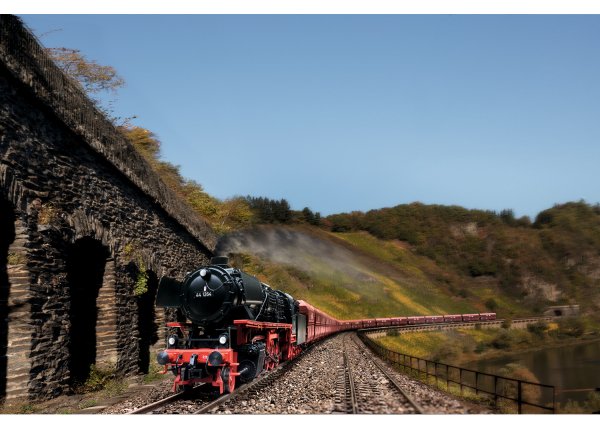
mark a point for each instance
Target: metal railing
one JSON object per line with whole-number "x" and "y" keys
{"x": 507, "y": 394}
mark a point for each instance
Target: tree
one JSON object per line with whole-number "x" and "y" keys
{"x": 491, "y": 304}
{"x": 308, "y": 216}
{"x": 93, "y": 77}
{"x": 508, "y": 217}
{"x": 270, "y": 211}
{"x": 144, "y": 141}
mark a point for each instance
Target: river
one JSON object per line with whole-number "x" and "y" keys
{"x": 569, "y": 368}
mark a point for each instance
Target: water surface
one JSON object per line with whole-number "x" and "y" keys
{"x": 568, "y": 368}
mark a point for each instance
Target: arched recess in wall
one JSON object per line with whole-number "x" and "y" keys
{"x": 147, "y": 321}
{"x": 86, "y": 265}
{"x": 7, "y": 236}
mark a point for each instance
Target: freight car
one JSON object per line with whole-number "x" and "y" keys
{"x": 238, "y": 327}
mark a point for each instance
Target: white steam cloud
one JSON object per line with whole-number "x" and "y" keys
{"x": 295, "y": 248}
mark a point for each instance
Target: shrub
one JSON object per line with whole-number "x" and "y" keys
{"x": 517, "y": 371}
{"x": 491, "y": 304}
{"x": 538, "y": 329}
{"x": 447, "y": 351}
{"x": 16, "y": 259}
{"x": 480, "y": 347}
{"x": 571, "y": 326}
{"x": 503, "y": 340}
{"x": 463, "y": 293}
{"x": 103, "y": 379}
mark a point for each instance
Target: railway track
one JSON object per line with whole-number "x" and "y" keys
{"x": 251, "y": 389}
{"x": 346, "y": 388}
{"x": 309, "y": 385}
{"x": 201, "y": 399}
{"x": 366, "y": 386}
{"x": 518, "y": 323}
{"x": 390, "y": 377}
{"x": 179, "y": 403}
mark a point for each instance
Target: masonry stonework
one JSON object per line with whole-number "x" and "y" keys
{"x": 69, "y": 177}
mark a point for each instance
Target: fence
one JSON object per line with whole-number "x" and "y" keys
{"x": 506, "y": 393}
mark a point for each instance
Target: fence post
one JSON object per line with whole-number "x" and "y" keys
{"x": 519, "y": 396}
{"x": 496, "y": 391}
{"x": 460, "y": 380}
{"x": 476, "y": 383}
{"x": 447, "y": 379}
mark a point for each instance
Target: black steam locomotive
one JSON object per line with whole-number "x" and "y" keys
{"x": 237, "y": 326}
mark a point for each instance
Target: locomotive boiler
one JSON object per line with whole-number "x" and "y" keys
{"x": 218, "y": 294}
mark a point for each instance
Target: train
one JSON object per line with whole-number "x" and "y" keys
{"x": 237, "y": 327}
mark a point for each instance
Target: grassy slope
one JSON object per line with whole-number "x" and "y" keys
{"x": 435, "y": 259}
{"x": 521, "y": 266}
{"x": 391, "y": 281}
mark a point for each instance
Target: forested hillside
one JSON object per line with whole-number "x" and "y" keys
{"x": 555, "y": 260}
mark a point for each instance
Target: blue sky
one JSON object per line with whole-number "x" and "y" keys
{"x": 357, "y": 112}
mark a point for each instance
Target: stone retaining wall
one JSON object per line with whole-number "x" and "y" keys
{"x": 69, "y": 176}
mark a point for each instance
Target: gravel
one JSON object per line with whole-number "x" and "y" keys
{"x": 313, "y": 384}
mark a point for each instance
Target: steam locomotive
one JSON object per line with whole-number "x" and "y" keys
{"x": 239, "y": 327}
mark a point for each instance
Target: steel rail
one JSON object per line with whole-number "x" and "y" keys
{"x": 350, "y": 390}
{"x": 385, "y": 371}
{"x": 158, "y": 404}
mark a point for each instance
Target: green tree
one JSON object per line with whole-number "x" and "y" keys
{"x": 308, "y": 215}
{"x": 491, "y": 304}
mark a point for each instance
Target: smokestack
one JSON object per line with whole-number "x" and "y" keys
{"x": 222, "y": 261}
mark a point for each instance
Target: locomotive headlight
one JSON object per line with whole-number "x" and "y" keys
{"x": 223, "y": 339}
{"x": 172, "y": 341}
{"x": 205, "y": 273}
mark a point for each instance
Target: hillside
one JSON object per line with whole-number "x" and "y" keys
{"x": 420, "y": 259}
{"x": 555, "y": 260}
{"x": 349, "y": 275}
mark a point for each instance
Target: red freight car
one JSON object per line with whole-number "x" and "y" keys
{"x": 416, "y": 320}
{"x": 434, "y": 319}
{"x": 399, "y": 321}
{"x": 383, "y": 322}
{"x": 487, "y": 316}
{"x": 453, "y": 318}
{"x": 470, "y": 317}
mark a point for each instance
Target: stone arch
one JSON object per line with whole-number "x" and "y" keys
{"x": 86, "y": 268}
{"x": 7, "y": 236}
{"x": 558, "y": 313}
{"x": 148, "y": 327}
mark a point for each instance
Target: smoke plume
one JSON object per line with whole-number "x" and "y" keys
{"x": 294, "y": 248}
